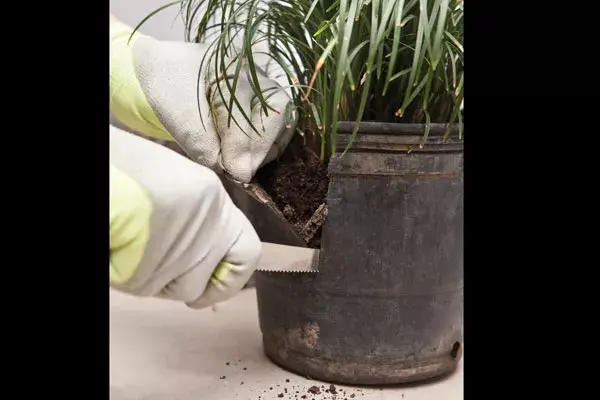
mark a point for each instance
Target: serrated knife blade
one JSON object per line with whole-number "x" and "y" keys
{"x": 288, "y": 259}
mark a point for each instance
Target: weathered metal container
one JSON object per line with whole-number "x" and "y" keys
{"x": 387, "y": 304}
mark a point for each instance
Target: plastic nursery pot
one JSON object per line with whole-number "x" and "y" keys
{"x": 387, "y": 304}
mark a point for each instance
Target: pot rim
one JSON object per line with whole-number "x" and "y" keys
{"x": 392, "y": 128}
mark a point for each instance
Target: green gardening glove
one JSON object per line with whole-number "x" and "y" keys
{"x": 154, "y": 91}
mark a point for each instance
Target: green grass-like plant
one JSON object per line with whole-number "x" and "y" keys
{"x": 344, "y": 60}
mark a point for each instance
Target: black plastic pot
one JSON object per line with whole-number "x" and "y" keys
{"x": 387, "y": 304}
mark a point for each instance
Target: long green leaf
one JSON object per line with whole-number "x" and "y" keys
{"x": 345, "y": 33}
{"x": 395, "y": 43}
{"x": 152, "y": 14}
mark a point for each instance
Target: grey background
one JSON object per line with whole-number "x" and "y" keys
{"x": 166, "y": 25}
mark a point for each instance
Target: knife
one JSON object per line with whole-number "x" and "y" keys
{"x": 282, "y": 258}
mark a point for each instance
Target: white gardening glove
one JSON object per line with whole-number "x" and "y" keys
{"x": 154, "y": 90}
{"x": 174, "y": 231}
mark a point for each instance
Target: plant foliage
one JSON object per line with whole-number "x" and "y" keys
{"x": 358, "y": 60}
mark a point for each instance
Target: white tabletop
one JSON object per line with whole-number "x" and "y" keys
{"x": 161, "y": 350}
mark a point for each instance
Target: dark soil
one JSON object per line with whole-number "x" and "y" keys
{"x": 314, "y": 390}
{"x": 298, "y": 183}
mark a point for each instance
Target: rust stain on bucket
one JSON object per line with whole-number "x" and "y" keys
{"x": 304, "y": 338}
{"x": 309, "y": 335}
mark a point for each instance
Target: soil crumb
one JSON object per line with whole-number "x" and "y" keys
{"x": 298, "y": 183}
{"x": 314, "y": 390}
{"x": 332, "y": 389}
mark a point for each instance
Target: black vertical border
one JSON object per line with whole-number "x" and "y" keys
{"x": 529, "y": 196}
{"x": 56, "y": 197}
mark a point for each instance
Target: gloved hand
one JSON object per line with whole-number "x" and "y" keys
{"x": 174, "y": 231}
{"x": 154, "y": 90}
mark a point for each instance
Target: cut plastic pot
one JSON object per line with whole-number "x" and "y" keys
{"x": 387, "y": 304}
